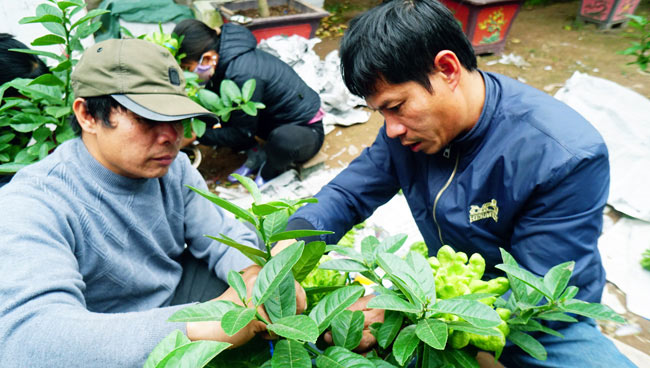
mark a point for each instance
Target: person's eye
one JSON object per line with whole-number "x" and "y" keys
{"x": 396, "y": 107}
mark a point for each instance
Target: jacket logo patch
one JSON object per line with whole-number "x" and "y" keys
{"x": 487, "y": 210}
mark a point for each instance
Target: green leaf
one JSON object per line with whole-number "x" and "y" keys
{"x": 526, "y": 277}
{"x": 476, "y": 313}
{"x": 338, "y": 357}
{"x": 26, "y": 125}
{"x": 43, "y": 150}
{"x": 422, "y": 274}
{"x": 250, "y": 186}
{"x": 11, "y": 167}
{"x": 343, "y": 264}
{"x": 209, "y": 311}
{"x": 40, "y": 53}
{"x": 368, "y": 246}
{"x": 164, "y": 347}
{"x": 91, "y": 14}
{"x": 275, "y": 223}
{"x": 405, "y": 344}
{"x": 46, "y": 18}
{"x": 290, "y": 354}
{"x": 556, "y": 316}
{"x": 49, "y": 40}
{"x": 294, "y": 234}
{"x": 228, "y": 206}
{"x": 533, "y": 325}
{"x": 63, "y": 5}
{"x": 247, "y": 90}
{"x": 464, "y": 326}
{"x": 300, "y": 327}
{"x": 275, "y": 270}
{"x": 401, "y": 274}
{"x": 569, "y": 293}
{"x": 253, "y": 254}
{"x": 282, "y": 302}
{"x": 260, "y": 105}
{"x": 209, "y": 99}
{"x": 393, "y": 303}
{"x": 309, "y": 259}
{"x": 8, "y": 137}
{"x": 347, "y": 329}
{"x": 236, "y": 319}
{"x": 229, "y": 91}
{"x": 194, "y": 354}
{"x": 264, "y": 209}
{"x": 389, "y": 329}
{"x": 345, "y": 251}
{"x": 236, "y": 280}
{"x": 333, "y": 303}
{"x": 591, "y": 310}
{"x": 557, "y": 278}
{"x": 460, "y": 358}
{"x": 249, "y": 108}
{"x": 528, "y": 344}
{"x": 58, "y": 111}
{"x": 198, "y": 126}
{"x": 433, "y": 332}
{"x": 391, "y": 244}
{"x": 47, "y": 80}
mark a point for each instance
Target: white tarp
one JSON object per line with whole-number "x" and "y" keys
{"x": 323, "y": 76}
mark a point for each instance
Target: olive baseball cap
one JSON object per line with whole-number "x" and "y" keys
{"x": 140, "y": 75}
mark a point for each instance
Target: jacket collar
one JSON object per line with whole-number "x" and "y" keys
{"x": 235, "y": 40}
{"x": 472, "y": 140}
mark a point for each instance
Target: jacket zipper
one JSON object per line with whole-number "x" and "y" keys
{"x": 446, "y": 153}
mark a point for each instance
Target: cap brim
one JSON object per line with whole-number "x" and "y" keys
{"x": 165, "y": 107}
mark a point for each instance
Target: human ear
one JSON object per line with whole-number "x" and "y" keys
{"x": 86, "y": 121}
{"x": 210, "y": 57}
{"x": 449, "y": 67}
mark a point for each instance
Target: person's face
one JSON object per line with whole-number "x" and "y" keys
{"x": 423, "y": 121}
{"x": 136, "y": 147}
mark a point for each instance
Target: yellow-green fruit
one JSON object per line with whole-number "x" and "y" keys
{"x": 478, "y": 286}
{"x": 461, "y": 257}
{"x": 476, "y": 265}
{"x": 488, "y": 343}
{"x": 445, "y": 254}
{"x": 498, "y": 285}
{"x": 459, "y": 339}
{"x": 434, "y": 263}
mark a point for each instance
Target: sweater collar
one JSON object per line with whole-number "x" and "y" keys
{"x": 471, "y": 140}
{"x": 104, "y": 177}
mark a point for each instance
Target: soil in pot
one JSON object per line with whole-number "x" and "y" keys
{"x": 275, "y": 11}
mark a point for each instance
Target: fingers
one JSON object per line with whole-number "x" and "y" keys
{"x": 301, "y": 298}
{"x": 368, "y": 341}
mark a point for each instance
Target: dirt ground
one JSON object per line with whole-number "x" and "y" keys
{"x": 548, "y": 38}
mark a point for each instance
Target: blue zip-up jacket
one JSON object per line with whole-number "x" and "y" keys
{"x": 288, "y": 99}
{"x": 532, "y": 176}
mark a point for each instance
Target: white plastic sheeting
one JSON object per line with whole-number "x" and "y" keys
{"x": 323, "y": 76}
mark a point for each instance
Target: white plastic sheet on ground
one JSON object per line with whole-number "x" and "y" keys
{"x": 323, "y": 76}
{"x": 622, "y": 117}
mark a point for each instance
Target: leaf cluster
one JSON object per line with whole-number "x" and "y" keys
{"x": 641, "y": 46}
{"x": 33, "y": 126}
{"x": 419, "y": 326}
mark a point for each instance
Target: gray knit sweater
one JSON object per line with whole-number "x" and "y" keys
{"x": 87, "y": 267}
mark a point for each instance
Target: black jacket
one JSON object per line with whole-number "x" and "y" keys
{"x": 287, "y": 97}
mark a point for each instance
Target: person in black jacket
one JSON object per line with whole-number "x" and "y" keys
{"x": 291, "y": 124}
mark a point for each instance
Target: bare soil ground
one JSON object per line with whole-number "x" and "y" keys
{"x": 548, "y": 38}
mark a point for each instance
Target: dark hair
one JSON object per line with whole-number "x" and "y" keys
{"x": 198, "y": 38}
{"x": 17, "y": 64}
{"x": 398, "y": 41}
{"x": 100, "y": 108}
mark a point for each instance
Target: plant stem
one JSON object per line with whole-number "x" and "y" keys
{"x": 312, "y": 349}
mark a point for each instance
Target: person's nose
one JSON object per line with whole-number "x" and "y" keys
{"x": 393, "y": 127}
{"x": 170, "y": 132}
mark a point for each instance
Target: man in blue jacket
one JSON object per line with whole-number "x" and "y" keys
{"x": 483, "y": 161}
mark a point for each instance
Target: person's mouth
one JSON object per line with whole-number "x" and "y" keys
{"x": 413, "y": 146}
{"x": 165, "y": 160}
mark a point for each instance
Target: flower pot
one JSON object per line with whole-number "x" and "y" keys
{"x": 606, "y": 13}
{"x": 485, "y": 22}
{"x": 303, "y": 24}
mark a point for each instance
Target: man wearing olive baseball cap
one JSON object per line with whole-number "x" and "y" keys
{"x": 102, "y": 240}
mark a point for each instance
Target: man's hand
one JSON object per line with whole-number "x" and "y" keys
{"x": 212, "y": 330}
{"x": 187, "y": 141}
{"x": 368, "y": 340}
{"x": 281, "y": 245}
